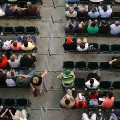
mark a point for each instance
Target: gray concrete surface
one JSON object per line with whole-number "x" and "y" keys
{"x": 51, "y": 56}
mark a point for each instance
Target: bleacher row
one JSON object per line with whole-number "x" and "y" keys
{"x": 11, "y": 102}
{"x": 19, "y": 1}
{"x": 104, "y": 85}
{"x": 89, "y": 2}
{"x": 82, "y": 65}
{"x": 19, "y": 30}
{"x": 102, "y": 48}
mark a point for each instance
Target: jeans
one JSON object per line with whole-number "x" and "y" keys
{"x": 4, "y": 7}
{"x": 33, "y": 38}
{"x": 20, "y": 39}
{"x": 31, "y": 73}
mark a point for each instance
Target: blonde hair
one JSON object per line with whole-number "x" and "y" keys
{"x": 35, "y": 79}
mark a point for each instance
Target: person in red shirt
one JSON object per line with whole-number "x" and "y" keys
{"x": 3, "y": 61}
{"x": 80, "y": 101}
{"x": 93, "y": 95}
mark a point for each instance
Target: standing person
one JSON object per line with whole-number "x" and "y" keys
{"x": 67, "y": 101}
{"x": 67, "y": 78}
{"x": 37, "y": 80}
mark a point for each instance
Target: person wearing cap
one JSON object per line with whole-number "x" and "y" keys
{"x": 67, "y": 78}
{"x": 37, "y": 80}
{"x": 104, "y": 27}
{"x": 68, "y": 100}
{"x": 70, "y": 44}
{"x": 115, "y": 28}
{"x": 71, "y": 13}
{"x": 93, "y": 13}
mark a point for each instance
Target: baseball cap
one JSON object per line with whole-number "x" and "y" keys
{"x": 67, "y": 72}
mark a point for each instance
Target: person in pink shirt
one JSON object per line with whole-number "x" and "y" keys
{"x": 108, "y": 101}
{"x": 16, "y": 45}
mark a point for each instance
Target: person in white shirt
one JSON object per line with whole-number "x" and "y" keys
{"x": 71, "y": 13}
{"x": 82, "y": 44}
{"x": 14, "y": 61}
{"x": 11, "y": 79}
{"x": 105, "y": 11}
{"x": 115, "y": 28}
{"x": 92, "y": 83}
{"x": 85, "y": 116}
{"x": 2, "y": 12}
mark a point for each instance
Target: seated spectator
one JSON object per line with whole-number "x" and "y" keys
{"x": 16, "y": 45}
{"x": 80, "y": 101}
{"x": 105, "y": 11}
{"x": 70, "y": 26}
{"x": 104, "y": 27}
{"x": 19, "y": 115}
{"x": 71, "y": 13}
{"x": 115, "y": 62}
{"x": 67, "y": 78}
{"x": 115, "y": 28}
{"x": 67, "y": 101}
{"x": 27, "y": 60}
{"x": 3, "y": 61}
{"x": 93, "y": 13}
{"x": 14, "y": 61}
{"x": 93, "y": 98}
{"x": 108, "y": 100}
{"x": 29, "y": 44}
{"x": 2, "y": 12}
{"x": 70, "y": 44}
{"x": 6, "y": 45}
{"x": 82, "y": 44}
{"x": 92, "y": 27}
{"x": 37, "y": 80}
{"x": 9, "y": 9}
{"x": 23, "y": 79}
{"x": 11, "y": 78}
{"x": 31, "y": 9}
{"x": 72, "y": 1}
{"x": 2, "y": 78}
{"x": 85, "y": 116}
{"x": 22, "y": 38}
{"x": 81, "y": 27}
{"x": 92, "y": 83}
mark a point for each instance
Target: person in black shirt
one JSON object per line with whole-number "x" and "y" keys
{"x": 37, "y": 80}
{"x": 2, "y": 78}
{"x": 28, "y": 60}
{"x": 104, "y": 27}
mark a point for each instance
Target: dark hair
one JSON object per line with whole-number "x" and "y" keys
{"x": 105, "y": 8}
{"x": 67, "y": 102}
{"x": 80, "y": 104}
{"x": 109, "y": 94}
{"x": 15, "y": 44}
{"x": 1, "y": 59}
{"x": 93, "y": 24}
{"x": 91, "y": 82}
{"x": 82, "y": 45}
{"x": 93, "y": 10}
{"x": 26, "y": 43}
{"x": 25, "y": 56}
{"x": 116, "y": 63}
{"x": 93, "y": 92}
{"x": 70, "y": 26}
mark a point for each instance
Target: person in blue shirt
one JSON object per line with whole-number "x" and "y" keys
{"x": 72, "y": 1}
{"x": 93, "y": 13}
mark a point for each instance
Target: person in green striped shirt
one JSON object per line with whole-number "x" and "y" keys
{"x": 67, "y": 78}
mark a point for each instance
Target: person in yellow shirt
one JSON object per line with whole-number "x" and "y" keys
{"x": 29, "y": 44}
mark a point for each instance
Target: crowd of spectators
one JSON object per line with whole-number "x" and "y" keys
{"x": 15, "y": 10}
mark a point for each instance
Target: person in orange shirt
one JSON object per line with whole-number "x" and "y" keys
{"x": 3, "y": 61}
